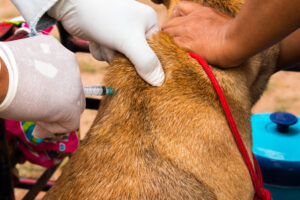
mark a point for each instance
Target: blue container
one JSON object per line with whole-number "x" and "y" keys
{"x": 276, "y": 144}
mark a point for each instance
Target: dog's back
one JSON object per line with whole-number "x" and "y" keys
{"x": 170, "y": 142}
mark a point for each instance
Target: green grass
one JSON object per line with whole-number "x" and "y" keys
{"x": 282, "y": 104}
{"x": 86, "y": 67}
{"x": 30, "y": 170}
{"x": 270, "y": 87}
{"x": 91, "y": 68}
{"x": 281, "y": 107}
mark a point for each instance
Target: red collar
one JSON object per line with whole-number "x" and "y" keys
{"x": 255, "y": 173}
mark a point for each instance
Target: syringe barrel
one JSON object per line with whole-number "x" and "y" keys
{"x": 94, "y": 90}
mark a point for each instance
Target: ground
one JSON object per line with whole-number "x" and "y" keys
{"x": 282, "y": 93}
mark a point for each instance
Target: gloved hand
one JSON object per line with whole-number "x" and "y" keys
{"x": 120, "y": 25}
{"x": 44, "y": 85}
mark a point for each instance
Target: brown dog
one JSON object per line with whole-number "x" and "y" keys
{"x": 170, "y": 142}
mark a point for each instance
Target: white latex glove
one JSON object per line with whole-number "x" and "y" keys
{"x": 120, "y": 25}
{"x": 44, "y": 85}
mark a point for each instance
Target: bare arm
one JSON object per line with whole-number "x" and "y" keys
{"x": 228, "y": 42}
{"x": 289, "y": 51}
{"x": 3, "y": 81}
{"x": 261, "y": 24}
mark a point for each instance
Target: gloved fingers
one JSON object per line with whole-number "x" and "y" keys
{"x": 144, "y": 59}
{"x": 45, "y": 129}
{"x": 40, "y": 132}
{"x": 151, "y": 20}
{"x": 101, "y": 53}
{"x": 152, "y": 30}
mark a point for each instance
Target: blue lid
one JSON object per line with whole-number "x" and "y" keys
{"x": 277, "y": 149}
{"x": 283, "y": 120}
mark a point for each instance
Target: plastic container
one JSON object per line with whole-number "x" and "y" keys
{"x": 276, "y": 144}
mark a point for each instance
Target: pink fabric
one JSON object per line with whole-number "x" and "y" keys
{"x": 45, "y": 31}
{"x": 48, "y": 152}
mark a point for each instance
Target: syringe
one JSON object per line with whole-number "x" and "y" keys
{"x": 97, "y": 90}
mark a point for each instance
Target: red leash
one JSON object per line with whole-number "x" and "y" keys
{"x": 260, "y": 192}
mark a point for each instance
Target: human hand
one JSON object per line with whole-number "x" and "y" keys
{"x": 202, "y": 30}
{"x": 114, "y": 25}
{"x": 44, "y": 85}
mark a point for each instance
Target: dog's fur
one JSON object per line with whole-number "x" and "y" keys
{"x": 173, "y": 141}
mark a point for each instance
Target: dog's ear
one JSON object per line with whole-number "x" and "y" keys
{"x": 157, "y": 1}
{"x": 165, "y": 2}
{"x": 170, "y": 4}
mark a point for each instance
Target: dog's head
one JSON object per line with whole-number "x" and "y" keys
{"x": 230, "y": 7}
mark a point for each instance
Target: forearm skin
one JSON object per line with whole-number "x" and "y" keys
{"x": 289, "y": 51}
{"x": 259, "y": 25}
{"x": 3, "y": 81}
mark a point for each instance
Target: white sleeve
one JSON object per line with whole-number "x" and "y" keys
{"x": 35, "y": 13}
